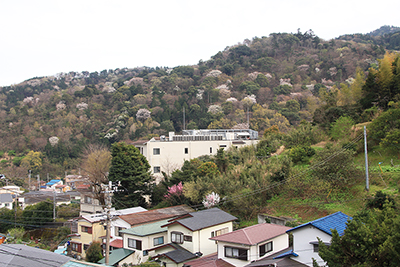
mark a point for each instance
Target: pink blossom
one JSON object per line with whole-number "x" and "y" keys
{"x": 176, "y": 190}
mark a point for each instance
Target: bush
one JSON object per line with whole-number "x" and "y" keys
{"x": 94, "y": 253}
{"x": 301, "y": 154}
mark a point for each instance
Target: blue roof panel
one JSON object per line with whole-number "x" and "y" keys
{"x": 336, "y": 221}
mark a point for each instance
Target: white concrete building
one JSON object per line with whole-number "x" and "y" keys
{"x": 166, "y": 154}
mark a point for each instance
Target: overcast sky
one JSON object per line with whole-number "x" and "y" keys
{"x": 45, "y": 37}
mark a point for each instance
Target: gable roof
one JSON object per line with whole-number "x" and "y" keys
{"x": 22, "y": 255}
{"x": 253, "y": 235}
{"x": 156, "y": 215}
{"x": 278, "y": 259}
{"x": 117, "y": 255}
{"x": 336, "y": 221}
{"x": 208, "y": 261}
{"x": 146, "y": 229}
{"x": 177, "y": 255}
{"x": 204, "y": 218}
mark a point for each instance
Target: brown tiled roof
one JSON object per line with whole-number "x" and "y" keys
{"x": 117, "y": 243}
{"x": 208, "y": 261}
{"x": 253, "y": 234}
{"x": 155, "y": 215}
{"x": 138, "y": 142}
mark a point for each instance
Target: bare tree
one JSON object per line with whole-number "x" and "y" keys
{"x": 96, "y": 164}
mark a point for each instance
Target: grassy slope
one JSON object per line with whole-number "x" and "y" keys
{"x": 317, "y": 201}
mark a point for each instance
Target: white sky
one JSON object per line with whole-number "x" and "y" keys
{"x": 45, "y": 37}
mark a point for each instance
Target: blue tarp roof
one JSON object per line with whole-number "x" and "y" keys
{"x": 53, "y": 182}
{"x": 336, "y": 221}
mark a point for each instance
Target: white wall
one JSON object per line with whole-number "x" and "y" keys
{"x": 147, "y": 243}
{"x": 301, "y": 244}
{"x": 278, "y": 243}
{"x": 172, "y": 153}
{"x": 200, "y": 239}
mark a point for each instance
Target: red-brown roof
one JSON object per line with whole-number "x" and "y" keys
{"x": 208, "y": 261}
{"x": 117, "y": 243}
{"x": 253, "y": 235}
{"x": 155, "y": 215}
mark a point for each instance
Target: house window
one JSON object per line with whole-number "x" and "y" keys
{"x": 133, "y": 243}
{"x": 86, "y": 229}
{"x": 156, "y": 151}
{"x": 222, "y": 146}
{"x": 88, "y": 200}
{"x": 85, "y": 247}
{"x": 236, "y": 253}
{"x": 219, "y": 232}
{"x": 157, "y": 169}
{"x": 177, "y": 237}
{"x": 187, "y": 238}
{"x": 316, "y": 248}
{"x": 145, "y": 252}
{"x": 76, "y": 247}
{"x": 186, "y": 150}
{"x": 264, "y": 249}
{"x": 158, "y": 241}
{"x": 210, "y": 150}
{"x": 117, "y": 229}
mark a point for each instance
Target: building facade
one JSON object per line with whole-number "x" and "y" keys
{"x": 166, "y": 154}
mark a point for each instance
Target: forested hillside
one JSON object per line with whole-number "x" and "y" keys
{"x": 283, "y": 80}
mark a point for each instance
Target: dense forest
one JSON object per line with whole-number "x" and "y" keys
{"x": 295, "y": 89}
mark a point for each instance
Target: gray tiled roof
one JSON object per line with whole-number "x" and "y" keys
{"x": 6, "y": 198}
{"x": 206, "y": 218}
{"x": 22, "y": 255}
{"x": 179, "y": 254}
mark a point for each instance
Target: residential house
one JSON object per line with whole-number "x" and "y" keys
{"x": 35, "y": 197}
{"x": 305, "y": 236}
{"x": 74, "y": 181}
{"x": 252, "y": 243}
{"x": 6, "y": 201}
{"x": 131, "y": 220}
{"x": 12, "y": 189}
{"x": 166, "y": 154}
{"x": 189, "y": 236}
{"x": 140, "y": 239}
{"x": 91, "y": 228}
{"x": 53, "y": 183}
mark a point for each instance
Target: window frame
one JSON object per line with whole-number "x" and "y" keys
{"x": 263, "y": 249}
{"x": 136, "y": 244}
{"x": 186, "y": 150}
{"x": 156, "y": 169}
{"x": 236, "y": 253}
{"x": 158, "y": 243}
{"x": 174, "y": 238}
{"x": 86, "y": 229}
{"x": 156, "y": 151}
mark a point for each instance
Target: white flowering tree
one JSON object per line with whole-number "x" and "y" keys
{"x": 143, "y": 114}
{"x": 82, "y": 106}
{"x": 211, "y": 200}
{"x": 214, "y": 109}
{"x": 53, "y": 140}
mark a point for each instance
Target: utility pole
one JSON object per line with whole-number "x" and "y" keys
{"x": 109, "y": 190}
{"x": 54, "y": 205}
{"x": 38, "y": 182}
{"x": 29, "y": 175}
{"x": 366, "y": 159}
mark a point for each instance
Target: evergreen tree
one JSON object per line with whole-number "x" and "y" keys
{"x": 133, "y": 171}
